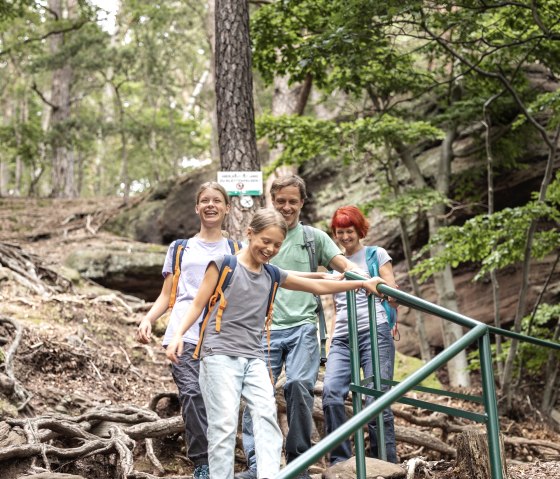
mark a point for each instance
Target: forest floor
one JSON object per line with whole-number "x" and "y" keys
{"x": 78, "y": 353}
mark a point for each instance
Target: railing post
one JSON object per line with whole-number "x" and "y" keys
{"x": 359, "y": 442}
{"x": 491, "y": 406}
{"x": 380, "y": 430}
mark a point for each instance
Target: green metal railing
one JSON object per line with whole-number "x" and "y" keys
{"x": 479, "y": 332}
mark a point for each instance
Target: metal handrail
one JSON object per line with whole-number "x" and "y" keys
{"x": 479, "y": 332}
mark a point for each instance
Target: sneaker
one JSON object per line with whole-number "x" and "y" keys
{"x": 201, "y": 471}
{"x": 248, "y": 474}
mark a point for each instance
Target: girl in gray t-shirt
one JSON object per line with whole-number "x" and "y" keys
{"x": 232, "y": 364}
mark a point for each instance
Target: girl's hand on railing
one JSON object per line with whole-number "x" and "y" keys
{"x": 370, "y": 285}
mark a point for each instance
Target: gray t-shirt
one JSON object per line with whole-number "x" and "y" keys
{"x": 195, "y": 260}
{"x": 243, "y": 319}
{"x": 341, "y": 325}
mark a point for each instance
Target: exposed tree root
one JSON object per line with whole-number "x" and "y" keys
{"x": 8, "y": 382}
{"x": 31, "y": 272}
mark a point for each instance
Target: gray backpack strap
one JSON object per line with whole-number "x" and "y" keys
{"x": 309, "y": 242}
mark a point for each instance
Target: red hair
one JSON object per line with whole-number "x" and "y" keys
{"x": 347, "y": 216}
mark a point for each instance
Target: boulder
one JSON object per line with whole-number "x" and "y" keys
{"x": 375, "y": 469}
{"x": 164, "y": 213}
{"x": 131, "y": 267}
{"x": 53, "y": 475}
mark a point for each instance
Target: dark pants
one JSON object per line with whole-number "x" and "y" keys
{"x": 337, "y": 385}
{"x": 298, "y": 349}
{"x": 185, "y": 375}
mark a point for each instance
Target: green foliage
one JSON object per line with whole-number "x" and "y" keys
{"x": 548, "y": 102}
{"x": 407, "y": 204}
{"x": 498, "y": 240}
{"x": 533, "y": 357}
{"x": 304, "y": 138}
{"x": 131, "y": 85}
{"x": 340, "y": 44}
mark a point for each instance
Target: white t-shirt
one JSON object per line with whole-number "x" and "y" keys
{"x": 341, "y": 325}
{"x": 196, "y": 257}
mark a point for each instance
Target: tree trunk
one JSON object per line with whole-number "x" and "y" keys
{"x": 445, "y": 288}
{"x": 420, "y": 329}
{"x": 493, "y": 275}
{"x": 522, "y": 302}
{"x": 443, "y": 281}
{"x": 4, "y": 167}
{"x": 211, "y": 36}
{"x": 62, "y": 167}
{"x": 473, "y": 456}
{"x": 234, "y": 101}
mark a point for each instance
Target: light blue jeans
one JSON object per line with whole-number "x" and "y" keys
{"x": 223, "y": 381}
{"x": 298, "y": 349}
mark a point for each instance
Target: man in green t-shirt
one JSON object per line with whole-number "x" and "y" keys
{"x": 293, "y": 339}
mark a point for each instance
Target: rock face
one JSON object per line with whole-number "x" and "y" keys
{"x": 131, "y": 267}
{"x": 166, "y": 213}
{"x": 475, "y": 300}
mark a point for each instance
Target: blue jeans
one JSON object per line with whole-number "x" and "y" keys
{"x": 337, "y": 386}
{"x": 185, "y": 374}
{"x": 223, "y": 381}
{"x": 298, "y": 349}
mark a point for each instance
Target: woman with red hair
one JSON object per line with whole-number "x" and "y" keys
{"x": 349, "y": 226}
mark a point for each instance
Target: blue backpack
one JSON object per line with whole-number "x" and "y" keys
{"x": 224, "y": 278}
{"x": 373, "y": 268}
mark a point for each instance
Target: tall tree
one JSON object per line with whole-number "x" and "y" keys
{"x": 62, "y": 154}
{"x": 234, "y": 101}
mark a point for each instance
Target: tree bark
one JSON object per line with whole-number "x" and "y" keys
{"x": 420, "y": 329}
{"x": 4, "y": 169}
{"x": 62, "y": 160}
{"x": 493, "y": 275}
{"x": 473, "y": 456}
{"x": 234, "y": 101}
{"x": 443, "y": 280}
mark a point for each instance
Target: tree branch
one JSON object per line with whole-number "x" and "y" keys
{"x": 498, "y": 76}
{"x": 43, "y": 97}
{"x": 75, "y": 26}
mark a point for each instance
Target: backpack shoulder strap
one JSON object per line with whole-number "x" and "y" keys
{"x": 234, "y": 246}
{"x": 373, "y": 268}
{"x": 224, "y": 278}
{"x": 371, "y": 261}
{"x": 178, "y": 250}
{"x": 309, "y": 242}
{"x": 274, "y": 273}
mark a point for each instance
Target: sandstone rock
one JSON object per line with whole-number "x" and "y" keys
{"x": 166, "y": 214}
{"x": 375, "y": 469}
{"x": 53, "y": 475}
{"x": 131, "y": 267}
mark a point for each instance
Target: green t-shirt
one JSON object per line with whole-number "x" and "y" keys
{"x": 294, "y": 308}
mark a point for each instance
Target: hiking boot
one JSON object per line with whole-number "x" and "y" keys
{"x": 248, "y": 474}
{"x": 201, "y": 471}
